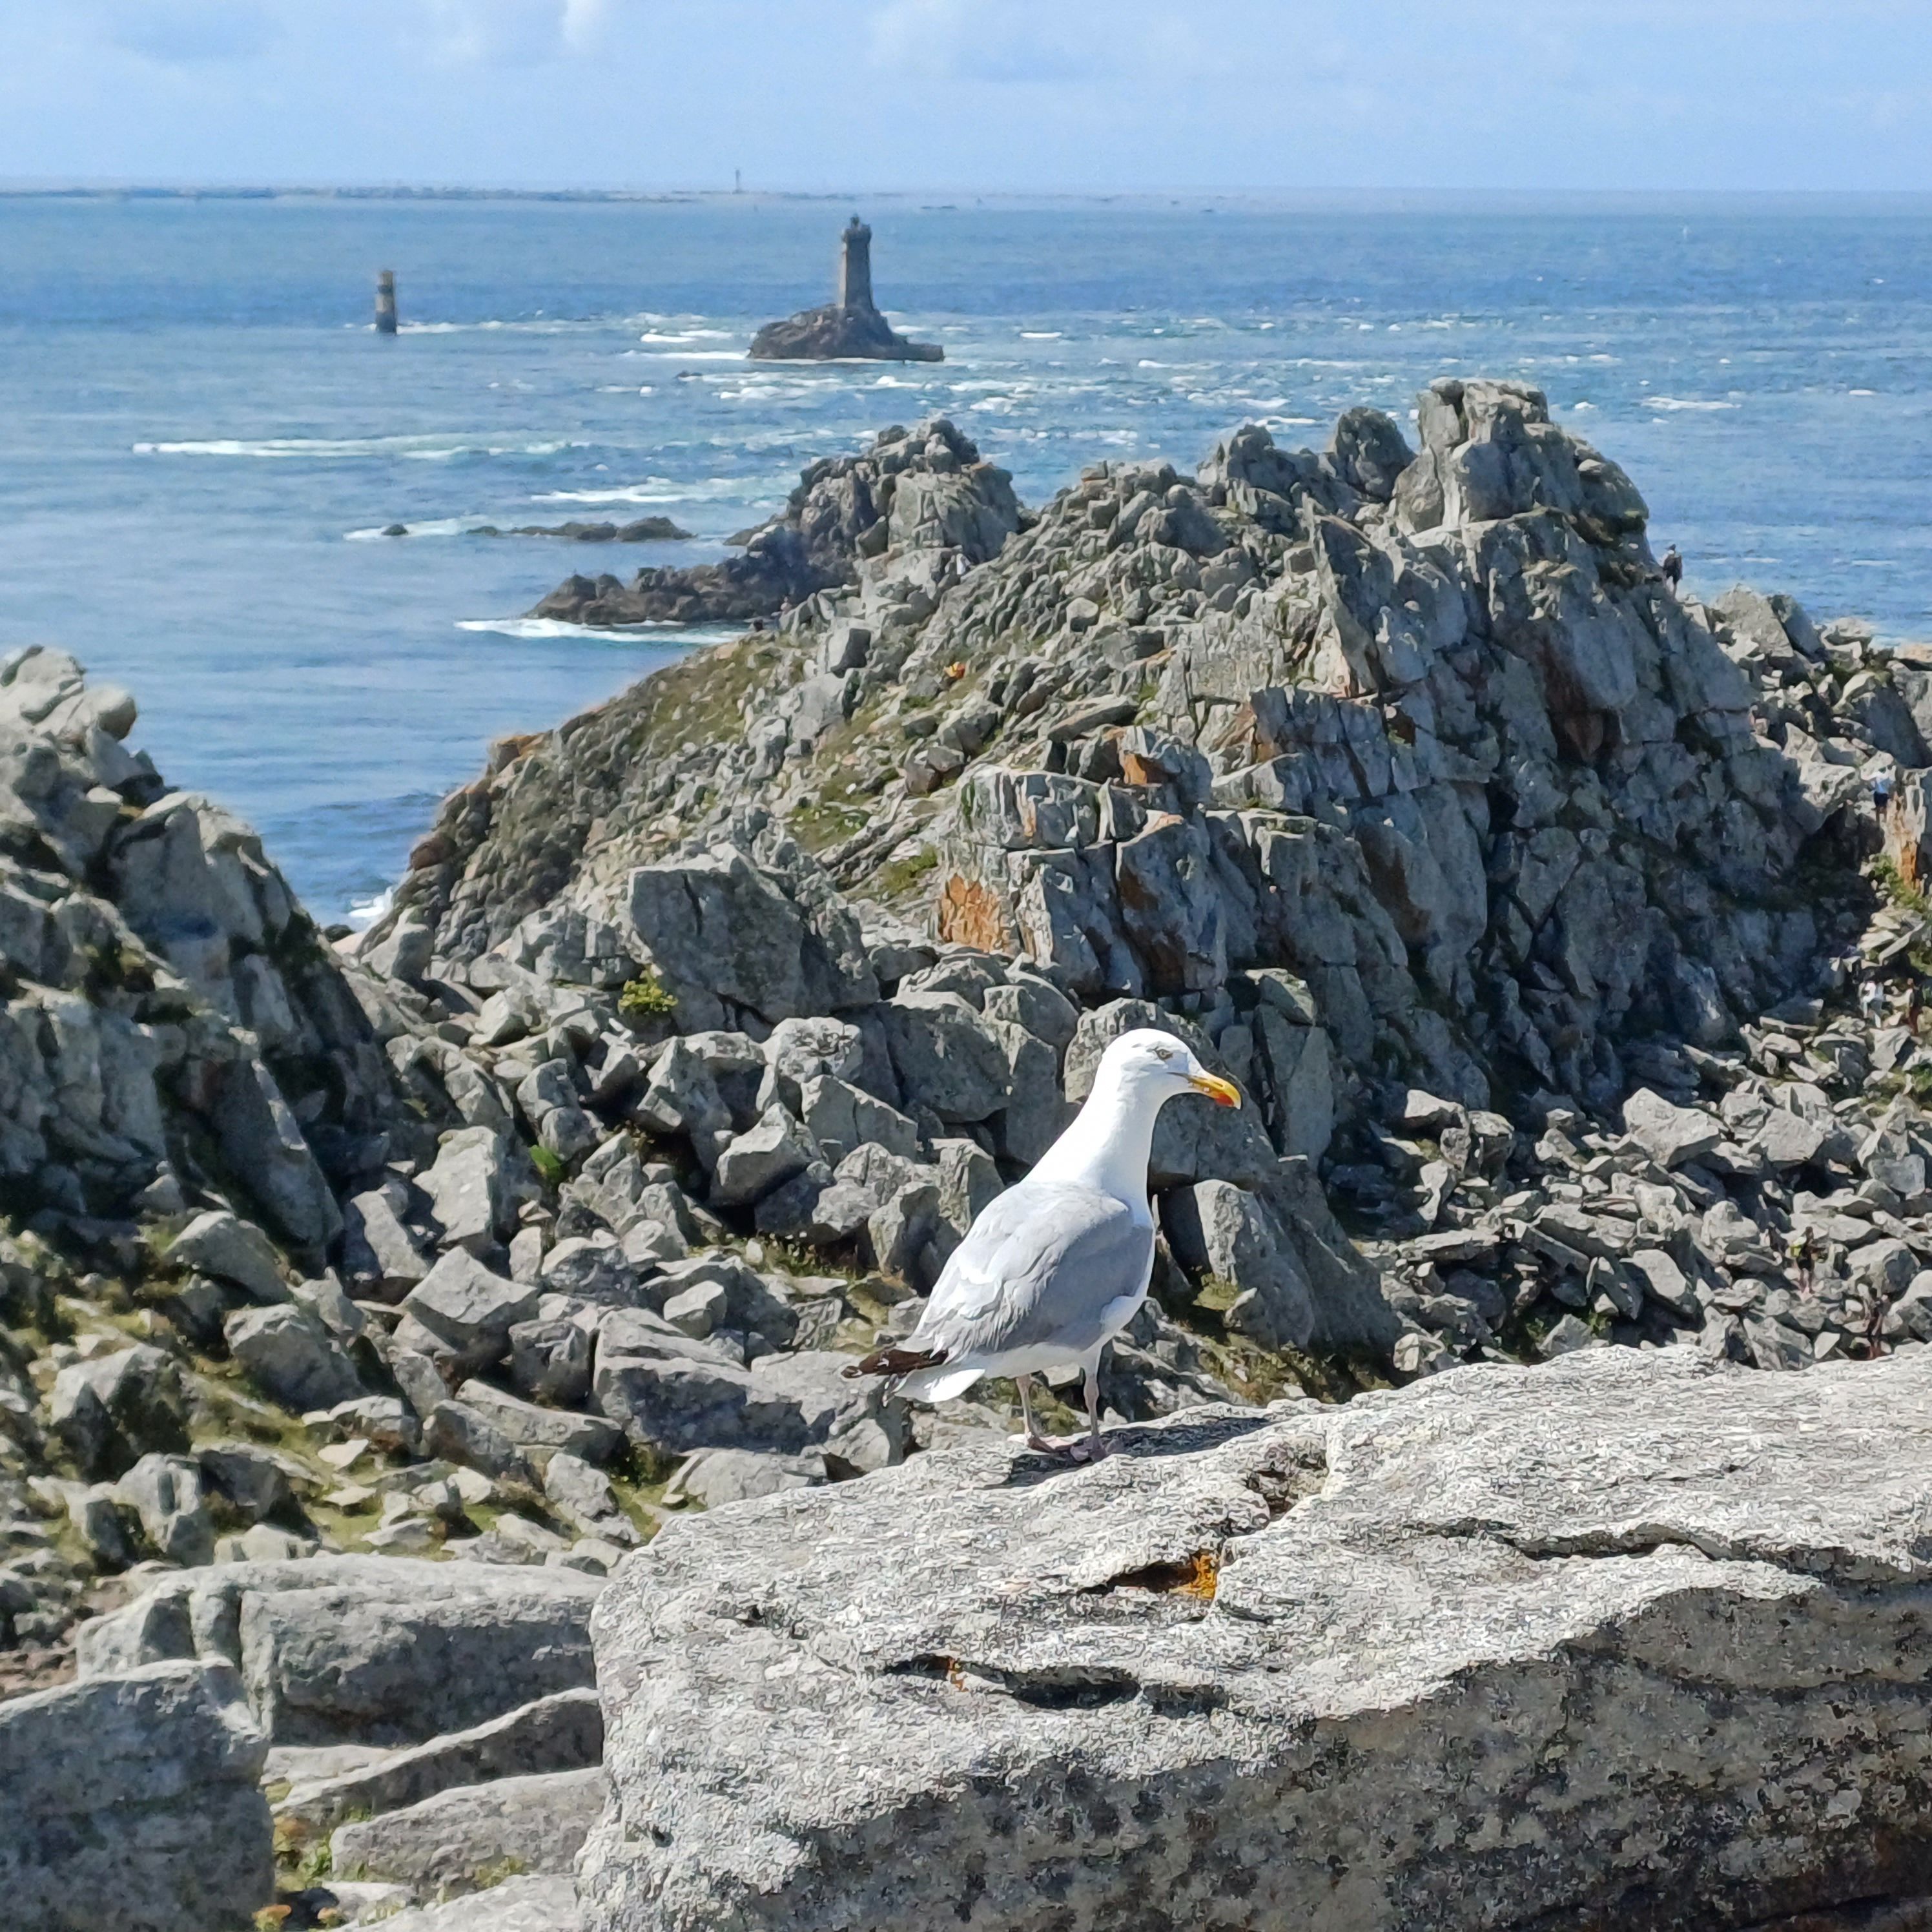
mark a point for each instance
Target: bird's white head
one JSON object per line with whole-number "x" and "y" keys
{"x": 1154, "y": 1066}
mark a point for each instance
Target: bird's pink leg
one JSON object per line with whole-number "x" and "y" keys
{"x": 1034, "y": 1440}
{"x": 1093, "y": 1448}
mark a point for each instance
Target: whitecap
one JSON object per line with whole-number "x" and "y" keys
{"x": 1041, "y": 335}
{"x": 687, "y": 355}
{"x": 421, "y": 449}
{"x": 439, "y": 527}
{"x": 364, "y": 913}
{"x": 1684, "y": 403}
{"x": 669, "y": 637}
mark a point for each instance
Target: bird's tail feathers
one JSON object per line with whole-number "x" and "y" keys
{"x": 894, "y": 1362}
{"x": 922, "y": 1373}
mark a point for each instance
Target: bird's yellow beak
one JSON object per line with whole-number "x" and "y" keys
{"x": 1223, "y": 1093}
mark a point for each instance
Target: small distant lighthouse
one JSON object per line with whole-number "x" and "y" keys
{"x": 855, "y": 265}
{"x": 385, "y": 302}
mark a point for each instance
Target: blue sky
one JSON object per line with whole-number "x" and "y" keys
{"x": 990, "y": 95}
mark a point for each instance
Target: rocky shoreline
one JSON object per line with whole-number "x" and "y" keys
{"x": 366, "y": 1303}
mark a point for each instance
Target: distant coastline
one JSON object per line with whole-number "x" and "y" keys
{"x": 1316, "y": 200}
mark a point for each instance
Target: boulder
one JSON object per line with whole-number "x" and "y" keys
{"x": 165, "y": 1492}
{"x": 530, "y": 1425}
{"x": 132, "y": 1805}
{"x": 517, "y": 1905}
{"x": 562, "y": 1732}
{"x": 233, "y": 1250}
{"x": 1510, "y": 1648}
{"x": 362, "y": 1649}
{"x": 470, "y": 1311}
{"x": 110, "y": 1410}
{"x": 289, "y": 1353}
{"x": 1669, "y": 1134}
{"x": 466, "y": 1839}
{"x": 1217, "y": 1229}
{"x": 475, "y": 1186}
{"x": 761, "y": 1158}
{"x": 669, "y": 1392}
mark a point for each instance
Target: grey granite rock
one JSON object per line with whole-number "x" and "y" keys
{"x": 464, "y": 1839}
{"x": 517, "y": 1905}
{"x": 562, "y": 1732}
{"x": 131, "y": 1805}
{"x": 377, "y": 1650}
{"x": 1511, "y": 1648}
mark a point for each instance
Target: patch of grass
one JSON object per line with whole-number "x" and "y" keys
{"x": 1900, "y": 891}
{"x": 647, "y": 997}
{"x": 901, "y": 875}
{"x": 550, "y": 1169}
{"x": 490, "y": 1875}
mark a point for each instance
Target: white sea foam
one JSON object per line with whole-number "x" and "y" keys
{"x": 1686, "y": 402}
{"x": 363, "y": 913}
{"x": 687, "y": 355}
{"x": 673, "y": 338}
{"x": 669, "y": 637}
{"x": 417, "y": 448}
{"x": 1041, "y": 335}
{"x": 438, "y": 527}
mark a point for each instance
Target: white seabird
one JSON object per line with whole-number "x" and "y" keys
{"x": 1058, "y": 1263}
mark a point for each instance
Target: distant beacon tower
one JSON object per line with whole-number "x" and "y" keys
{"x": 855, "y": 265}
{"x": 385, "y": 302}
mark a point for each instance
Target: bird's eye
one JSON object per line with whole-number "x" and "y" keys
{"x": 1163, "y": 1053}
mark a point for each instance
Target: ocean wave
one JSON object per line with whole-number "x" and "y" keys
{"x": 673, "y": 338}
{"x": 1685, "y": 403}
{"x": 687, "y": 355}
{"x": 668, "y": 636}
{"x": 284, "y": 448}
{"x": 1042, "y": 334}
{"x": 364, "y": 913}
{"x": 437, "y": 526}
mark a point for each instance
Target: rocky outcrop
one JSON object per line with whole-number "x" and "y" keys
{"x": 1626, "y": 1640}
{"x": 929, "y": 492}
{"x": 640, "y": 530}
{"x": 1399, "y": 781}
{"x": 836, "y": 333}
{"x": 850, "y": 326}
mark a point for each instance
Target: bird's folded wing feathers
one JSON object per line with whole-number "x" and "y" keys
{"x": 1043, "y": 1261}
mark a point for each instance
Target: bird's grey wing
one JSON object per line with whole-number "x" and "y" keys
{"x": 1040, "y": 1265}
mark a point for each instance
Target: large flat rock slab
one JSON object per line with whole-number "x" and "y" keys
{"x": 1630, "y": 1639}
{"x": 129, "y": 1804}
{"x": 367, "y": 1650}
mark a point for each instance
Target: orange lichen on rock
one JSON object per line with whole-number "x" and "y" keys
{"x": 971, "y": 914}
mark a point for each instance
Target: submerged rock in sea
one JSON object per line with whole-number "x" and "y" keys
{"x": 1623, "y": 1640}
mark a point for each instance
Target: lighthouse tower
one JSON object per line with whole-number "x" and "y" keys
{"x": 855, "y": 265}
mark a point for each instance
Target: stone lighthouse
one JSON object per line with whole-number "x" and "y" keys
{"x": 855, "y": 265}
{"x": 851, "y": 326}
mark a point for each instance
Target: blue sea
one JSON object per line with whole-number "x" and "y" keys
{"x": 201, "y": 435}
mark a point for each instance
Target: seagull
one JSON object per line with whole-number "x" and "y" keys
{"x": 1058, "y": 1263}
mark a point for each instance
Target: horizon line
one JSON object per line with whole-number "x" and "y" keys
{"x": 30, "y": 187}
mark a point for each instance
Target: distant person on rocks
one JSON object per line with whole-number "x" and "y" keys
{"x": 1673, "y": 567}
{"x": 1881, "y": 792}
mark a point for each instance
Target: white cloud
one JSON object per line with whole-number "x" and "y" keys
{"x": 509, "y": 33}
{"x": 1001, "y": 41}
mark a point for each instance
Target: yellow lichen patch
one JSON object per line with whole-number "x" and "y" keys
{"x": 1204, "y": 1576}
